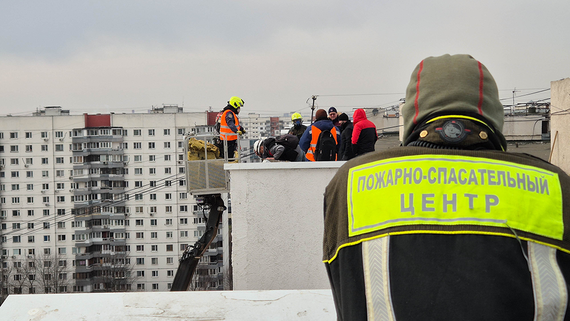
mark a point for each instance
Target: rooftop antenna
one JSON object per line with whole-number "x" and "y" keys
{"x": 513, "y": 106}
{"x": 314, "y": 97}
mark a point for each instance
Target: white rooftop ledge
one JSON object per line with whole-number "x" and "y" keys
{"x": 151, "y": 306}
{"x": 277, "y": 224}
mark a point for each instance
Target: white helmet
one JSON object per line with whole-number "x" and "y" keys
{"x": 257, "y": 146}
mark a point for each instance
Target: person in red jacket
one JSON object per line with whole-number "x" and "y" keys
{"x": 364, "y": 134}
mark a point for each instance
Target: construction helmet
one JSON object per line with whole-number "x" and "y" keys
{"x": 236, "y": 102}
{"x": 257, "y": 147}
{"x": 296, "y": 116}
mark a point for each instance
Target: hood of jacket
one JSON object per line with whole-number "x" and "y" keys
{"x": 232, "y": 108}
{"x": 359, "y": 115}
{"x": 452, "y": 85}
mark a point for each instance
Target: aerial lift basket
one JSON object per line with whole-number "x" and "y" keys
{"x": 205, "y": 172}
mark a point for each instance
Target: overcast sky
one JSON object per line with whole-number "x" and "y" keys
{"x": 103, "y": 56}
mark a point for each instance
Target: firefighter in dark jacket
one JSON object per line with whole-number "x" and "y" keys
{"x": 230, "y": 128}
{"x": 449, "y": 226}
{"x": 298, "y": 128}
{"x": 345, "y": 152}
{"x": 364, "y": 134}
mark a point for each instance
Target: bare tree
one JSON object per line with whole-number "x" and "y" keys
{"x": 116, "y": 271}
{"x": 5, "y": 274}
{"x": 52, "y": 273}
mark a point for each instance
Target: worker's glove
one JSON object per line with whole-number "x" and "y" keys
{"x": 240, "y": 132}
{"x": 242, "y": 129}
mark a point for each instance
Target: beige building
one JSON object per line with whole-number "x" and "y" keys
{"x": 97, "y": 202}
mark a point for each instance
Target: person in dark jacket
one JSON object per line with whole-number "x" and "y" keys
{"x": 450, "y": 226}
{"x": 230, "y": 128}
{"x": 333, "y": 116}
{"x": 308, "y": 142}
{"x": 298, "y": 128}
{"x": 364, "y": 134}
{"x": 276, "y": 148}
{"x": 345, "y": 152}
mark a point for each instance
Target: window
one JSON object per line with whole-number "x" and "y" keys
{"x": 46, "y": 212}
{"x": 15, "y": 226}
{"x": 152, "y": 171}
{"x": 30, "y": 187}
{"x": 154, "y": 248}
{"x": 59, "y": 173}
{"x": 168, "y": 209}
{"x": 138, "y": 184}
{"x": 151, "y": 132}
{"x": 138, "y": 209}
{"x": 140, "y": 286}
{"x": 153, "y": 235}
{"x": 59, "y": 160}
{"x": 139, "y": 222}
{"x": 152, "y": 197}
{"x": 168, "y": 235}
{"x": 61, "y": 211}
{"x": 60, "y": 224}
{"x": 151, "y": 145}
{"x": 59, "y": 134}
{"x": 180, "y": 131}
{"x": 183, "y": 221}
{"x": 14, "y": 161}
{"x": 153, "y": 222}
{"x": 13, "y": 135}
{"x": 29, "y": 161}
{"x": 167, "y": 170}
{"x": 46, "y": 225}
{"x": 45, "y": 186}
{"x": 168, "y": 221}
{"x": 31, "y": 226}
{"x": 152, "y": 183}
{"x": 16, "y": 200}
{"x": 170, "y": 273}
{"x": 15, "y": 174}
{"x": 169, "y": 247}
{"x": 167, "y": 158}
{"x": 45, "y": 173}
{"x": 28, "y": 134}
{"x": 29, "y": 148}
{"x": 31, "y": 239}
{"x": 183, "y": 208}
{"x": 138, "y": 197}
{"x": 59, "y": 147}
{"x": 44, "y": 148}
{"x": 183, "y": 233}
{"x": 60, "y": 186}
{"x": 183, "y": 196}
{"x": 15, "y": 187}
{"x": 16, "y": 239}
{"x": 136, "y": 132}
{"x": 30, "y": 212}
{"x": 30, "y": 199}
{"x": 29, "y": 174}
{"x": 140, "y": 273}
{"x": 62, "y": 250}
{"x": 169, "y": 260}
{"x": 137, "y": 146}
{"x": 166, "y": 144}
{"x": 45, "y": 199}
{"x": 154, "y": 260}
{"x": 14, "y": 148}
{"x": 151, "y": 158}
{"x": 45, "y": 160}
{"x": 61, "y": 237}
{"x": 138, "y": 158}
{"x": 152, "y": 210}
{"x": 140, "y": 235}
{"x": 138, "y": 171}
{"x": 166, "y": 131}
{"x": 61, "y": 199}
{"x": 140, "y": 248}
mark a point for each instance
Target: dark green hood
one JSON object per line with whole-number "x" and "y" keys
{"x": 456, "y": 84}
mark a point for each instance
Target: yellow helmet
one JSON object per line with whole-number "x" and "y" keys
{"x": 296, "y": 116}
{"x": 236, "y": 102}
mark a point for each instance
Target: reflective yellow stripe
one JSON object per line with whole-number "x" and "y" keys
{"x": 453, "y": 190}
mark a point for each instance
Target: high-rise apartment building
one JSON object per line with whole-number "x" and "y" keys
{"x": 97, "y": 202}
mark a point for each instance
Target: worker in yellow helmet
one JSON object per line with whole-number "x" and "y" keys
{"x": 298, "y": 128}
{"x": 229, "y": 124}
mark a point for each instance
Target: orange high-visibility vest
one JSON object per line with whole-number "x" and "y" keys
{"x": 225, "y": 131}
{"x": 315, "y": 133}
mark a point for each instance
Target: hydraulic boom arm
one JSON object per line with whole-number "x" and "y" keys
{"x": 192, "y": 254}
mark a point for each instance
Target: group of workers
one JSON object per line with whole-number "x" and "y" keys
{"x": 345, "y": 139}
{"x": 447, "y": 227}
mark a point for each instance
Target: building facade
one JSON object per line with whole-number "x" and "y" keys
{"x": 97, "y": 202}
